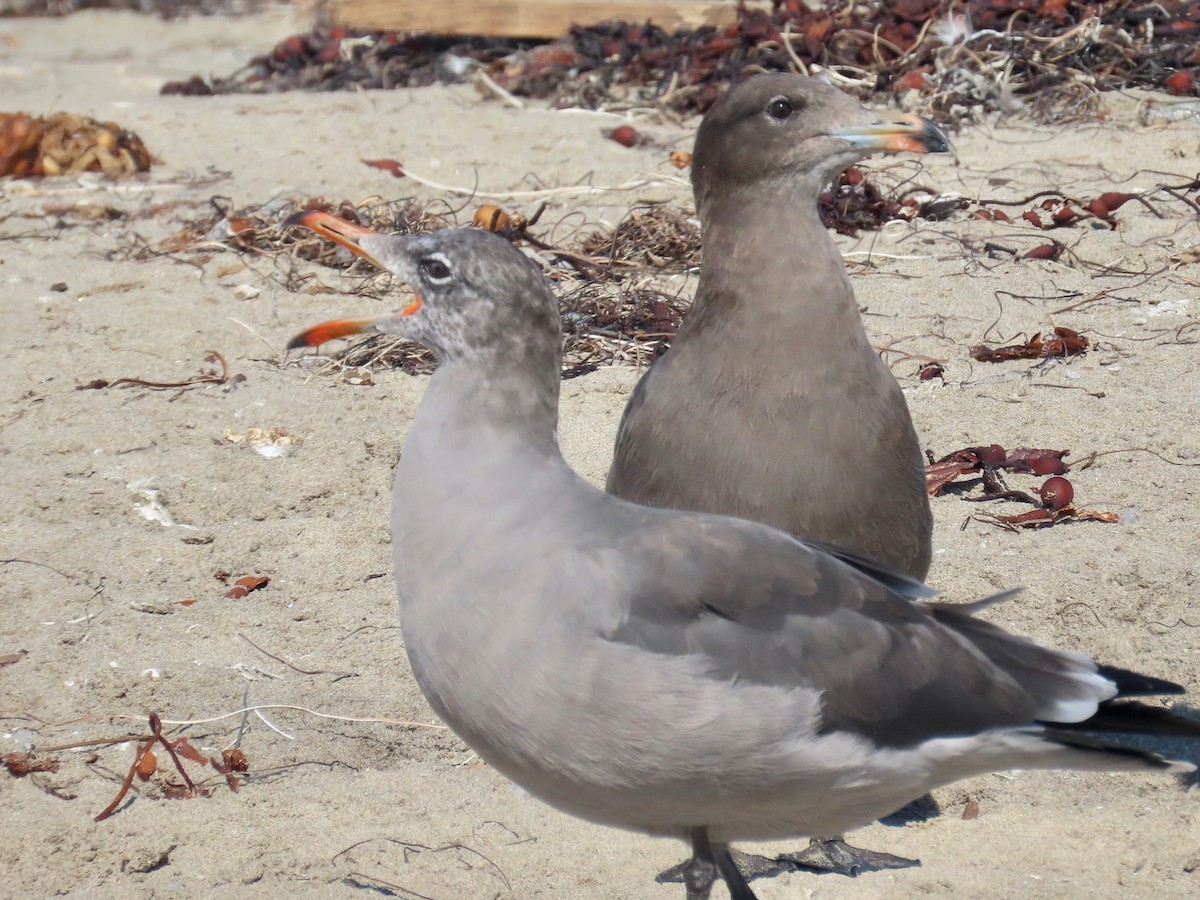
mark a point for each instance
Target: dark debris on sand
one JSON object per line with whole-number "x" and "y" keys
{"x": 1049, "y": 59}
{"x": 612, "y": 311}
{"x": 1046, "y": 58}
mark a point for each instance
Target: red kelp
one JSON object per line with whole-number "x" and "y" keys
{"x": 935, "y": 49}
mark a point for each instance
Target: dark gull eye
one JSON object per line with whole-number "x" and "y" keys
{"x": 779, "y": 109}
{"x": 436, "y": 268}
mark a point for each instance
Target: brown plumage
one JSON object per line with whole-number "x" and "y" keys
{"x": 771, "y": 404}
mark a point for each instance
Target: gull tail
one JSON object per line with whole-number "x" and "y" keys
{"x": 1101, "y": 753}
{"x": 1082, "y": 708}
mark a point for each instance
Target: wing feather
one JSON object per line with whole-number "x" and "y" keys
{"x": 762, "y": 606}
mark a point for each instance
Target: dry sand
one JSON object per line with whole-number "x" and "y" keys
{"x": 91, "y": 585}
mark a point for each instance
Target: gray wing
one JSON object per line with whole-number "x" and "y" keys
{"x": 900, "y": 582}
{"x": 764, "y": 607}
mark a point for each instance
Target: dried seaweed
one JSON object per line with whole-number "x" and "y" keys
{"x": 1054, "y": 503}
{"x": 380, "y": 351}
{"x": 989, "y": 460}
{"x": 257, "y": 228}
{"x": 1061, "y": 343}
{"x": 610, "y": 313}
{"x": 607, "y": 323}
{"x": 1046, "y": 58}
{"x": 658, "y": 237}
{"x": 67, "y": 144}
{"x": 855, "y": 203}
{"x": 604, "y": 323}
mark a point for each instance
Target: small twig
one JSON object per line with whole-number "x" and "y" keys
{"x": 98, "y": 742}
{"x": 419, "y": 848}
{"x": 481, "y": 77}
{"x": 274, "y": 349}
{"x": 312, "y": 712}
{"x": 32, "y": 562}
{"x": 579, "y": 189}
{"x": 1177, "y": 623}
{"x": 903, "y": 354}
{"x": 1086, "y": 461}
{"x": 797, "y": 62}
{"x": 1086, "y": 606}
{"x": 210, "y": 378}
{"x": 275, "y": 728}
{"x": 996, "y": 201}
{"x": 237, "y": 744}
{"x": 289, "y": 665}
{"x": 128, "y": 782}
{"x": 1192, "y": 203}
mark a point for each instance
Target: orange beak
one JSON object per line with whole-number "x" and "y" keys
{"x": 347, "y": 234}
{"x": 337, "y": 230}
{"x": 894, "y": 131}
{"x": 328, "y": 331}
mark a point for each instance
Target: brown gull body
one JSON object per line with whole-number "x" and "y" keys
{"x": 676, "y": 673}
{"x": 771, "y": 404}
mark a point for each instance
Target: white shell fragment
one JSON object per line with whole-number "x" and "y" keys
{"x": 273, "y": 443}
{"x": 147, "y": 500}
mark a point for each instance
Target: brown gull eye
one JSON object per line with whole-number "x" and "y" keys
{"x": 779, "y": 109}
{"x": 435, "y": 268}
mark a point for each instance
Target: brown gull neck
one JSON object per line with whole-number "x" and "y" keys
{"x": 771, "y": 269}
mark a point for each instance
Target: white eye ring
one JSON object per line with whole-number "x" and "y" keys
{"x": 436, "y": 268}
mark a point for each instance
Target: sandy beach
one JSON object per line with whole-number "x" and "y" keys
{"x": 124, "y": 501}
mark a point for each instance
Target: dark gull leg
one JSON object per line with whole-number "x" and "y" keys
{"x": 697, "y": 873}
{"x": 700, "y": 872}
{"x": 738, "y": 889}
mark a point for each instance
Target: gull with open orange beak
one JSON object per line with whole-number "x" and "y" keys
{"x": 680, "y": 674}
{"x": 378, "y": 249}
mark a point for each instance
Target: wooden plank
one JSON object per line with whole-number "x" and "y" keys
{"x": 524, "y": 18}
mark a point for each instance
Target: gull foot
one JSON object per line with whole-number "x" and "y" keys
{"x": 708, "y": 861}
{"x": 820, "y": 856}
{"x": 835, "y": 855}
{"x": 697, "y": 874}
